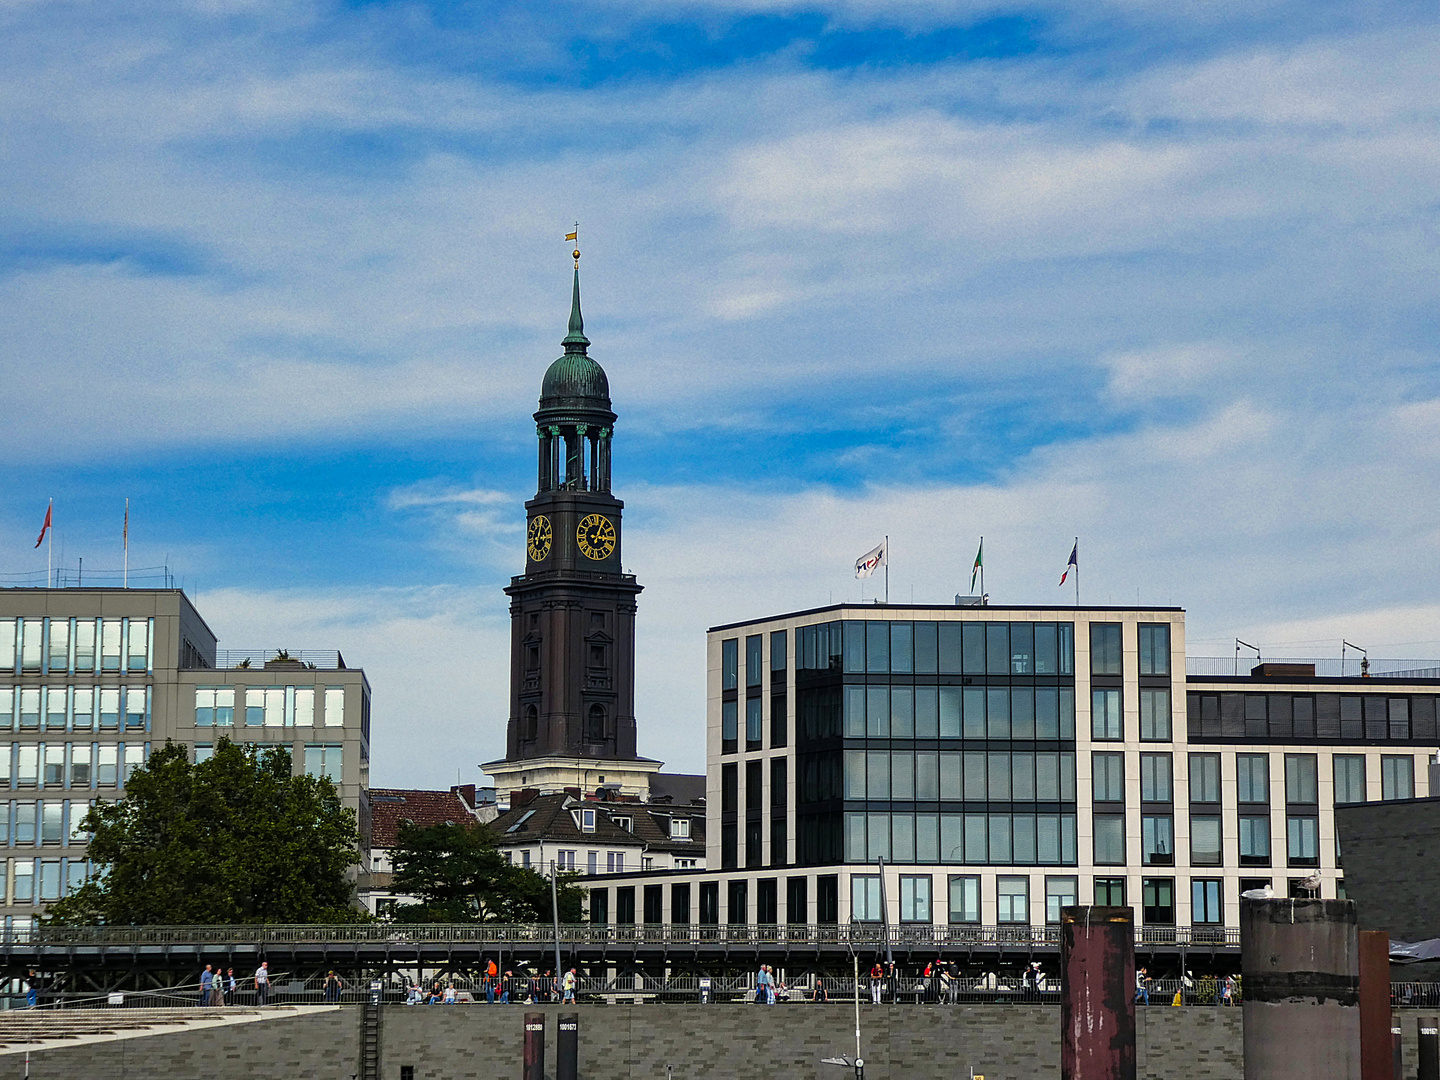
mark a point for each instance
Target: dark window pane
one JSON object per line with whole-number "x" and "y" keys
{"x": 902, "y": 648}
{"x": 949, "y": 634}
{"x": 974, "y": 633}
{"x": 925, "y": 648}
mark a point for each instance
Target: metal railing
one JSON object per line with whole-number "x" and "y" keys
{"x": 1325, "y": 667}
{"x": 321, "y": 659}
{"x": 859, "y": 936}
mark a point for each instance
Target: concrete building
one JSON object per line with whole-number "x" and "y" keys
{"x": 1005, "y": 762}
{"x": 92, "y": 679}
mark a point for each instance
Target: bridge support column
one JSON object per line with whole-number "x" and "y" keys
{"x": 1097, "y": 997}
{"x": 1301, "y": 965}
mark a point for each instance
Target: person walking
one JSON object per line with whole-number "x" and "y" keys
{"x": 1227, "y": 995}
{"x": 207, "y": 980}
{"x": 1142, "y": 989}
{"x": 230, "y": 986}
{"x": 877, "y": 982}
{"x": 32, "y": 988}
{"x": 262, "y": 983}
{"x": 820, "y": 996}
{"x": 569, "y": 983}
{"x": 947, "y": 985}
{"x": 333, "y": 985}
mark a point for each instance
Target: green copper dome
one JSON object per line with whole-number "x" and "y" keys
{"x": 575, "y": 381}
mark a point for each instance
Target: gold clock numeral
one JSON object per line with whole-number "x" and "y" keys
{"x": 595, "y": 537}
{"x": 537, "y": 539}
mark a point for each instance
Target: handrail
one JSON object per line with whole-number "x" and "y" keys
{"x": 866, "y": 935}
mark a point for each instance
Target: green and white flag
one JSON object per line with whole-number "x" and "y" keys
{"x": 975, "y": 570}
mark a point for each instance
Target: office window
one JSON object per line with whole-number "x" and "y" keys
{"x": 6, "y": 755}
{"x": 109, "y": 708}
{"x": 26, "y": 818}
{"x": 865, "y": 897}
{"x": 30, "y": 707}
{"x": 1157, "y": 901}
{"x": 1397, "y": 777}
{"x": 1303, "y": 840}
{"x": 301, "y": 707}
{"x": 325, "y": 760}
{"x": 334, "y": 706}
{"x": 754, "y": 660}
{"x": 53, "y": 765}
{"x": 777, "y": 656}
{"x": 107, "y": 765}
{"x": 1105, "y": 649}
{"x": 964, "y": 899}
{"x": 1252, "y": 775}
{"x": 1154, "y": 649}
{"x": 1060, "y": 892}
{"x": 137, "y": 655}
{"x": 24, "y": 881}
{"x": 1106, "y": 719}
{"x": 27, "y": 764}
{"x": 137, "y": 708}
{"x": 7, "y": 646}
{"x": 1205, "y": 840}
{"x": 82, "y": 708}
{"x": 204, "y": 752}
{"x": 134, "y": 758}
{"x": 729, "y": 724}
{"x": 7, "y": 705}
{"x": 110, "y": 645}
{"x": 1349, "y": 778}
{"x": 1012, "y": 899}
{"x": 1205, "y": 897}
{"x": 1300, "y": 784}
{"x": 31, "y": 644}
{"x": 52, "y": 822}
{"x": 1109, "y": 777}
{"x": 1110, "y": 892}
{"x": 214, "y": 706}
{"x": 1157, "y": 840}
{"x": 754, "y": 723}
{"x": 1109, "y": 839}
{"x": 1155, "y": 778}
{"x": 1155, "y": 715}
{"x": 1204, "y": 778}
{"x": 85, "y": 645}
{"x": 55, "y": 708}
{"x": 59, "y": 645}
{"x": 730, "y": 664}
{"x": 1254, "y": 840}
{"x": 915, "y": 898}
{"x": 77, "y": 872}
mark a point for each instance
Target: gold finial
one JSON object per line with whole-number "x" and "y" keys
{"x": 575, "y": 236}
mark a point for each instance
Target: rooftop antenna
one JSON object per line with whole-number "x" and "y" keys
{"x": 1244, "y": 644}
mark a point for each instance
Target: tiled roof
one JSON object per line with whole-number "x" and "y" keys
{"x": 680, "y": 788}
{"x": 390, "y": 806}
{"x": 548, "y": 817}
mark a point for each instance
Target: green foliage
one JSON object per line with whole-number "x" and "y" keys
{"x": 459, "y": 877}
{"x": 235, "y": 839}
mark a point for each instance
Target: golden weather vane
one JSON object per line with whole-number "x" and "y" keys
{"x": 575, "y": 236}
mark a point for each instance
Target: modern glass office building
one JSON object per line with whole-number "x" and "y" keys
{"x": 1005, "y": 762}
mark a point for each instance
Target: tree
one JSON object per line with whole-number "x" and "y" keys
{"x": 460, "y": 876}
{"x": 234, "y": 839}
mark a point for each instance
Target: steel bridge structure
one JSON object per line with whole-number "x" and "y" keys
{"x": 99, "y": 958}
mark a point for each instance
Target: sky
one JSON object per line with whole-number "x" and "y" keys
{"x": 1157, "y": 274}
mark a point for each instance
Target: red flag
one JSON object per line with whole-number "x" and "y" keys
{"x": 46, "y": 527}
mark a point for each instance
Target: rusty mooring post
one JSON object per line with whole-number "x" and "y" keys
{"x": 1301, "y": 965}
{"x": 1376, "y": 1053}
{"x": 1097, "y": 997}
{"x": 534, "y": 1046}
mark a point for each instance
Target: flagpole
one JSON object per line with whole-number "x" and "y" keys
{"x": 125, "y": 536}
{"x": 887, "y": 568}
{"x": 1077, "y": 572}
{"x": 50, "y": 543}
{"x": 981, "y": 557}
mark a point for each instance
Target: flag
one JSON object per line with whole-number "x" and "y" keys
{"x": 872, "y": 560}
{"x": 125, "y": 532}
{"x": 1073, "y": 564}
{"x": 975, "y": 570}
{"x": 572, "y": 236}
{"x": 49, "y": 510}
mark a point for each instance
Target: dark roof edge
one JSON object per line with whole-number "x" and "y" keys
{"x": 934, "y": 607}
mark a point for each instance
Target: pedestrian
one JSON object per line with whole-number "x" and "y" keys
{"x": 333, "y": 985}
{"x": 230, "y": 986}
{"x": 1142, "y": 990}
{"x": 771, "y": 992}
{"x": 262, "y": 983}
{"x": 32, "y": 988}
{"x": 492, "y": 973}
{"x": 820, "y": 996}
{"x": 1227, "y": 995}
{"x": 947, "y": 985}
{"x": 877, "y": 982}
{"x": 207, "y": 979}
{"x": 505, "y": 987}
{"x": 450, "y": 993}
{"x": 760, "y": 985}
{"x": 570, "y": 981}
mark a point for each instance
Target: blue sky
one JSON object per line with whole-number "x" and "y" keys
{"x": 1162, "y": 275}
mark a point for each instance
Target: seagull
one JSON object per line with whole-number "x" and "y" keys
{"x": 1310, "y": 884}
{"x": 1266, "y": 893}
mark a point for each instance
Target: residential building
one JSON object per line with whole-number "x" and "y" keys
{"x": 390, "y": 808}
{"x": 1004, "y": 762}
{"x": 91, "y": 680}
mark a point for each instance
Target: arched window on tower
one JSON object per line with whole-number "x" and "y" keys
{"x": 595, "y": 724}
{"x": 530, "y": 730}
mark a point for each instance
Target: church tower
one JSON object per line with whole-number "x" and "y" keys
{"x": 572, "y": 613}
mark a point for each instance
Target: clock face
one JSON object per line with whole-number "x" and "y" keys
{"x": 595, "y": 537}
{"x": 537, "y": 540}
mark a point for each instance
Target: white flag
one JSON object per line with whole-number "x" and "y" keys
{"x": 872, "y": 560}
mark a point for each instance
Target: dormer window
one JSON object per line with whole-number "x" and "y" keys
{"x": 587, "y": 820}
{"x": 680, "y": 828}
{"x": 626, "y": 823}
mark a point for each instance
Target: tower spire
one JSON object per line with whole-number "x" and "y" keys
{"x": 575, "y": 340}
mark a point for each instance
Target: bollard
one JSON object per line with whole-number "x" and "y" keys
{"x": 567, "y": 1064}
{"x": 1097, "y": 993}
{"x": 1375, "y": 1051}
{"x": 1397, "y": 1051}
{"x": 534, "y": 1046}
{"x": 1301, "y": 965}
{"x": 1429, "y": 1049}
